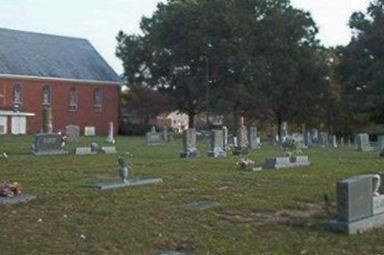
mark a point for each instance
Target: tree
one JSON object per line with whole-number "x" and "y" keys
{"x": 144, "y": 103}
{"x": 362, "y": 65}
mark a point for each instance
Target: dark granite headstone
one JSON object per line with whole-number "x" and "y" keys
{"x": 48, "y": 144}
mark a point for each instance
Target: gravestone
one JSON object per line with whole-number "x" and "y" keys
{"x": 109, "y": 149}
{"x": 225, "y": 138}
{"x": 308, "y": 140}
{"x": 89, "y": 131}
{"x": 334, "y": 142}
{"x": 299, "y": 140}
{"x": 315, "y": 135}
{"x": 342, "y": 141}
{"x": 72, "y": 132}
{"x": 217, "y": 144}
{"x": 80, "y": 151}
{"x": 25, "y": 198}
{"x": 252, "y": 138}
{"x": 153, "y": 137}
{"x": 362, "y": 142}
{"x": 240, "y": 148}
{"x": 189, "y": 144}
{"x": 48, "y": 144}
{"x": 110, "y": 138}
{"x": 360, "y": 205}
{"x": 380, "y": 144}
{"x": 165, "y": 135}
{"x": 286, "y": 162}
{"x": 123, "y": 171}
{"x": 323, "y": 139}
{"x": 202, "y": 205}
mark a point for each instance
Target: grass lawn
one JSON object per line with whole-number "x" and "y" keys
{"x": 266, "y": 212}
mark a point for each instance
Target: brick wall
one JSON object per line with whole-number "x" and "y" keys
{"x": 85, "y": 115}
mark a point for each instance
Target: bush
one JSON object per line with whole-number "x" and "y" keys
{"x": 130, "y": 129}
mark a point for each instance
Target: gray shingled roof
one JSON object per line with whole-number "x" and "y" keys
{"x": 34, "y": 54}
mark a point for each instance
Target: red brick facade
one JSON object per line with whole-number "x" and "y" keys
{"x": 85, "y": 115}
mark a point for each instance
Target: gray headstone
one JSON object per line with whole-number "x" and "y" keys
{"x": 84, "y": 151}
{"x": 315, "y": 135}
{"x": 308, "y": 140}
{"x": 362, "y": 142}
{"x": 153, "y": 138}
{"x": 110, "y": 138}
{"x": 252, "y": 138}
{"x": 355, "y": 198}
{"x": 380, "y": 144}
{"x": 225, "y": 137}
{"x": 72, "y": 132}
{"x": 334, "y": 142}
{"x": 109, "y": 150}
{"x": 323, "y": 139}
{"x": 189, "y": 144}
{"x": 89, "y": 131}
{"x": 217, "y": 144}
{"x": 48, "y": 144}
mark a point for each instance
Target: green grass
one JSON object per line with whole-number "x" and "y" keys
{"x": 151, "y": 219}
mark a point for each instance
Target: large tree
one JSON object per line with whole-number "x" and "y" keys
{"x": 362, "y": 65}
{"x": 258, "y": 57}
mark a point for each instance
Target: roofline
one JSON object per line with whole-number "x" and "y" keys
{"x": 30, "y": 77}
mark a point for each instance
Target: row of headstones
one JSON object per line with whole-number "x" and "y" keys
{"x": 155, "y": 138}
{"x": 219, "y": 142}
{"x": 49, "y": 143}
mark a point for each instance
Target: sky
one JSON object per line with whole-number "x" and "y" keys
{"x": 100, "y": 20}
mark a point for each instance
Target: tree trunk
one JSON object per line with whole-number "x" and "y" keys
{"x": 191, "y": 120}
{"x": 236, "y": 122}
{"x": 279, "y": 122}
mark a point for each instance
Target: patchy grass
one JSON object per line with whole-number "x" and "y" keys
{"x": 268, "y": 212}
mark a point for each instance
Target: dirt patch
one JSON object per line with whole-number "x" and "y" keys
{"x": 311, "y": 211}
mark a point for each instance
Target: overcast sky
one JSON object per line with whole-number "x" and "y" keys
{"x": 100, "y": 20}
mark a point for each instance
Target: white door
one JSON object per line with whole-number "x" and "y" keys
{"x": 19, "y": 125}
{"x": 3, "y": 125}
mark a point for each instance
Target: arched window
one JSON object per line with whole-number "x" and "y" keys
{"x": 47, "y": 96}
{"x": 73, "y": 99}
{"x": 17, "y": 97}
{"x": 97, "y": 100}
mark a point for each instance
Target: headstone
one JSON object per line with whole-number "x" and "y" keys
{"x": 25, "y": 198}
{"x": 153, "y": 138}
{"x": 202, "y": 205}
{"x": 299, "y": 140}
{"x": 217, "y": 144}
{"x": 48, "y": 144}
{"x": 80, "y": 151}
{"x": 165, "y": 135}
{"x": 360, "y": 204}
{"x": 286, "y": 162}
{"x": 225, "y": 138}
{"x": 189, "y": 144}
{"x": 380, "y": 144}
{"x": 284, "y": 132}
{"x": 242, "y": 140}
{"x": 252, "y": 138}
{"x": 334, "y": 142}
{"x": 362, "y": 142}
{"x": 89, "y": 131}
{"x": 110, "y": 138}
{"x": 315, "y": 135}
{"x": 47, "y": 120}
{"x": 123, "y": 171}
{"x": 72, "y": 132}
{"x": 342, "y": 141}
{"x": 308, "y": 140}
{"x": 109, "y": 149}
{"x": 323, "y": 139}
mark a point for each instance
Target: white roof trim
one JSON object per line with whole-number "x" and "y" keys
{"x": 11, "y": 113}
{"x": 28, "y": 77}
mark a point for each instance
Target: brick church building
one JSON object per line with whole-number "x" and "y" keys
{"x": 66, "y": 74}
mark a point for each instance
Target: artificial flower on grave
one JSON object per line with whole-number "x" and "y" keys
{"x": 10, "y": 189}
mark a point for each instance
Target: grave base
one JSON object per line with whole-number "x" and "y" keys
{"x": 129, "y": 183}
{"x": 359, "y": 226}
{"x": 16, "y": 200}
{"x": 188, "y": 154}
{"x": 49, "y": 153}
{"x": 278, "y": 163}
{"x": 109, "y": 150}
{"x": 217, "y": 154}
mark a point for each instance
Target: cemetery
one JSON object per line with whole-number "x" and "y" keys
{"x": 211, "y": 195}
{"x": 201, "y": 127}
